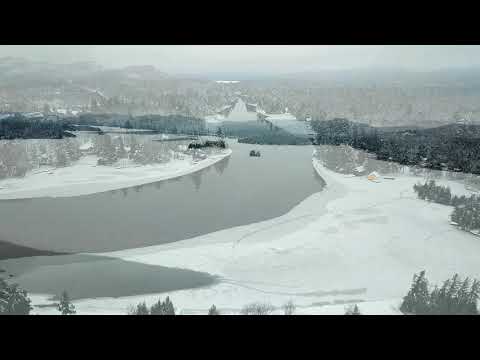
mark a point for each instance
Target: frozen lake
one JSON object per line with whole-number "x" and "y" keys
{"x": 236, "y": 191}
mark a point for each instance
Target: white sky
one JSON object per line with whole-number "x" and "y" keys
{"x": 254, "y": 58}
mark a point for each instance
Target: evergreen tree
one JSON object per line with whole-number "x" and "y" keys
{"x": 453, "y": 297}
{"x": 140, "y": 309}
{"x": 13, "y": 300}
{"x": 65, "y": 306}
{"x": 163, "y": 308}
{"x": 462, "y": 299}
{"x": 168, "y": 307}
{"x": 353, "y": 310}
{"x": 220, "y": 133}
{"x": 213, "y": 311}
{"x": 472, "y": 298}
{"x": 467, "y": 213}
{"x": 417, "y": 299}
{"x": 157, "y": 308}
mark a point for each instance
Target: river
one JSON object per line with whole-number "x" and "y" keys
{"x": 236, "y": 191}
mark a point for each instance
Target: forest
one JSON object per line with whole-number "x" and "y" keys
{"x": 17, "y": 157}
{"x": 172, "y": 124}
{"x": 19, "y": 127}
{"x": 456, "y": 296}
{"x": 466, "y": 213}
{"x": 453, "y": 147}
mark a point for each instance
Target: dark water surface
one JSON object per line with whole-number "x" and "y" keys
{"x": 89, "y": 276}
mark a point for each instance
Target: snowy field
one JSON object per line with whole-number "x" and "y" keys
{"x": 358, "y": 241}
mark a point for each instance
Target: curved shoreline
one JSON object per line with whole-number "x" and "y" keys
{"x": 356, "y": 234}
{"x": 116, "y": 179}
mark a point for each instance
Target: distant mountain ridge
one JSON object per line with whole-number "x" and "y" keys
{"x": 380, "y": 97}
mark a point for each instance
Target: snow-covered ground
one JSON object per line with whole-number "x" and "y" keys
{"x": 113, "y": 129}
{"x": 240, "y": 113}
{"x": 358, "y": 241}
{"x": 86, "y": 177}
{"x": 215, "y": 119}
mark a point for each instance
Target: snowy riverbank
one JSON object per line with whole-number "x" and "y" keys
{"x": 358, "y": 241}
{"x": 86, "y": 177}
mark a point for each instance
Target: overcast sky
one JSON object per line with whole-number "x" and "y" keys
{"x": 181, "y": 59}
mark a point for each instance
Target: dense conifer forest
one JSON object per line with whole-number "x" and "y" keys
{"x": 453, "y": 147}
{"x": 455, "y": 296}
{"x": 466, "y": 213}
{"x": 172, "y": 124}
{"x": 19, "y": 127}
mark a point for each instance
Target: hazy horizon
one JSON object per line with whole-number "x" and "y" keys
{"x": 241, "y": 60}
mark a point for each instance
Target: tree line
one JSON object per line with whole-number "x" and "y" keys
{"x": 18, "y": 157}
{"x": 20, "y": 127}
{"x": 454, "y": 297}
{"x": 256, "y": 308}
{"x": 172, "y": 124}
{"x": 15, "y": 301}
{"x": 452, "y": 147}
{"x": 135, "y": 148}
{"x": 430, "y": 191}
{"x": 159, "y": 308}
{"x": 466, "y": 212}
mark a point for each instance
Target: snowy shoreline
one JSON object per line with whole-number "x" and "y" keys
{"x": 357, "y": 241}
{"x": 85, "y": 177}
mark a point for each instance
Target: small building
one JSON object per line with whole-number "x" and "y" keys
{"x": 373, "y": 176}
